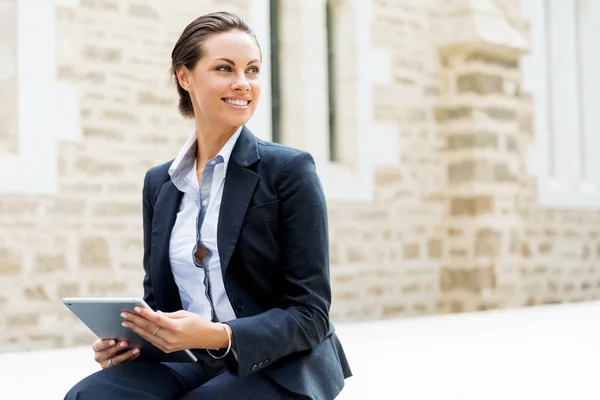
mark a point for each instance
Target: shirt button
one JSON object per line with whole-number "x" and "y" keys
{"x": 212, "y": 162}
{"x": 238, "y": 304}
{"x": 204, "y": 203}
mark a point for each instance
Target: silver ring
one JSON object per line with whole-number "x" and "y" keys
{"x": 156, "y": 330}
{"x": 110, "y": 363}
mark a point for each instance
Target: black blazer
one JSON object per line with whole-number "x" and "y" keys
{"x": 274, "y": 248}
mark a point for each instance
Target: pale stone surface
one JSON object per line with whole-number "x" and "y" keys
{"x": 9, "y": 142}
{"x": 519, "y": 354}
{"x": 454, "y": 224}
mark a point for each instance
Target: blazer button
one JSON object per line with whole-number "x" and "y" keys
{"x": 254, "y": 367}
{"x": 238, "y": 304}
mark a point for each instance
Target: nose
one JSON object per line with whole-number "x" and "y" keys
{"x": 240, "y": 83}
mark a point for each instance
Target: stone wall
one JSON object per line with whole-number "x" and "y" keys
{"x": 454, "y": 226}
{"x": 387, "y": 255}
{"x": 86, "y": 240}
{"x": 457, "y": 226}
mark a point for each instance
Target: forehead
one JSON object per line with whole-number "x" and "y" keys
{"x": 231, "y": 44}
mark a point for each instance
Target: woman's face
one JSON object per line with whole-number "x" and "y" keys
{"x": 225, "y": 83}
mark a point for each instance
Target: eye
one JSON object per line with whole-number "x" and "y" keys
{"x": 224, "y": 68}
{"x": 253, "y": 70}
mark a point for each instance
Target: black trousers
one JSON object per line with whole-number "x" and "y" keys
{"x": 139, "y": 380}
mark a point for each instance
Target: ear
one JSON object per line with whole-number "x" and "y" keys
{"x": 184, "y": 77}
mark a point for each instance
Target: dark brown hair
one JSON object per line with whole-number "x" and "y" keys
{"x": 188, "y": 49}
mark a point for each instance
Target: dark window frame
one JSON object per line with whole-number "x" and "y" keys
{"x": 274, "y": 22}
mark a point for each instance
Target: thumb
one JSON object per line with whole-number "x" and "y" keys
{"x": 175, "y": 315}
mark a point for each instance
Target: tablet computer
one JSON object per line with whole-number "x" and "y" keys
{"x": 103, "y": 317}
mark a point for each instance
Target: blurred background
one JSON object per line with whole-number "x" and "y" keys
{"x": 458, "y": 142}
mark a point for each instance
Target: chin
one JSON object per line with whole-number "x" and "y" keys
{"x": 237, "y": 121}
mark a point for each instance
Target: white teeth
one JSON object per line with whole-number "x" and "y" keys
{"x": 237, "y": 102}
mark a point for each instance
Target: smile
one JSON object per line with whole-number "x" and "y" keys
{"x": 237, "y": 104}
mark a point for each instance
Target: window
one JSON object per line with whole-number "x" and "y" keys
{"x": 561, "y": 73}
{"x": 331, "y": 77}
{"x": 274, "y": 22}
{"x": 34, "y": 170}
{"x": 324, "y": 58}
{"x": 261, "y": 123}
{"x": 274, "y": 18}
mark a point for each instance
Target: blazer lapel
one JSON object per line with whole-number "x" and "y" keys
{"x": 240, "y": 183}
{"x": 165, "y": 213}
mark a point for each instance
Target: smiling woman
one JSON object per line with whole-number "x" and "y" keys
{"x": 236, "y": 255}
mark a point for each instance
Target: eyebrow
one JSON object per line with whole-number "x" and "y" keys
{"x": 232, "y": 63}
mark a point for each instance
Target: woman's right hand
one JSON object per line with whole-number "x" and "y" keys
{"x": 106, "y": 350}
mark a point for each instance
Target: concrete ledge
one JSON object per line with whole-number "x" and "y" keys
{"x": 546, "y": 352}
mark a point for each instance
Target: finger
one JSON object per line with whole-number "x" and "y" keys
{"x": 158, "y": 318}
{"x": 101, "y": 345}
{"x": 129, "y": 355}
{"x": 154, "y": 339}
{"x": 115, "y": 349}
{"x": 175, "y": 315}
{"x": 139, "y": 321}
{"x": 102, "y": 356}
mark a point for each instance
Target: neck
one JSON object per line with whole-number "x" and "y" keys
{"x": 210, "y": 142}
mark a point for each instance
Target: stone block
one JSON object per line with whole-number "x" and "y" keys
{"x": 22, "y": 320}
{"x": 471, "y": 141}
{"x": 118, "y": 209}
{"x": 11, "y": 263}
{"x": 500, "y": 113}
{"x": 471, "y": 280}
{"x": 435, "y": 249}
{"x": 94, "y": 53}
{"x": 411, "y": 251}
{"x": 144, "y": 11}
{"x": 480, "y": 83}
{"x": 96, "y": 167}
{"x": 491, "y": 60}
{"x": 106, "y": 134}
{"x": 450, "y": 114}
{"x": 94, "y": 252}
{"x": 107, "y": 288}
{"x": 471, "y": 206}
{"x": 145, "y": 98}
{"x": 64, "y": 207}
{"x": 487, "y": 243}
{"x": 68, "y": 289}
{"x": 100, "y": 5}
{"x": 35, "y": 293}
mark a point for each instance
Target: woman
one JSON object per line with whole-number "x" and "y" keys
{"x": 235, "y": 249}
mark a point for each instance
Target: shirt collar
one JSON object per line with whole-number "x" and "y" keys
{"x": 185, "y": 162}
{"x": 228, "y": 147}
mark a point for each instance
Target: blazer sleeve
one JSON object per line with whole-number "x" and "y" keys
{"x": 303, "y": 322}
{"x": 147, "y": 212}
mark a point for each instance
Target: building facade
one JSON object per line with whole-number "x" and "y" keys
{"x": 456, "y": 141}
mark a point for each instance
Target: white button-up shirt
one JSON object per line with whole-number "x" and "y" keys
{"x": 200, "y": 205}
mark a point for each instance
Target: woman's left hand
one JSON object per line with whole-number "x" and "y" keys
{"x": 170, "y": 332}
